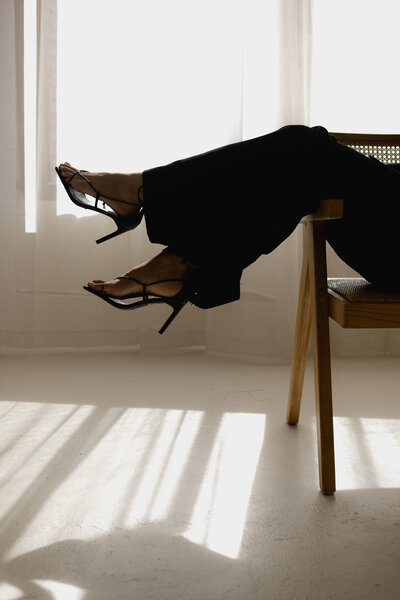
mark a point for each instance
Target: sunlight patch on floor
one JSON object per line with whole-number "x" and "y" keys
{"x": 10, "y": 592}
{"x": 219, "y": 515}
{"x": 62, "y": 591}
{"x": 35, "y": 435}
{"x": 372, "y": 443}
{"x": 102, "y": 468}
{"x": 122, "y": 467}
{"x": 164, "y": 457}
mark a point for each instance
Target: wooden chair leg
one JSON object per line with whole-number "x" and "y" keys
{"x": 300, "y": 346}
{"x": 321, "y": 355}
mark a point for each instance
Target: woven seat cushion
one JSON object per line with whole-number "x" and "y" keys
{"x": 356, "y": 289}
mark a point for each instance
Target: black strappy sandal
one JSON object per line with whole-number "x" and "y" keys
{"x": 176, "y": 302}
{"x": 123, "y": 223}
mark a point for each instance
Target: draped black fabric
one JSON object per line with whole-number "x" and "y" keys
{"x": 223, "y": 209}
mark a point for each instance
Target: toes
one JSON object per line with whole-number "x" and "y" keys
{"x": 66, "y": 169}
{"x": 65, "y": 166}
{"x": 96, "y": 282}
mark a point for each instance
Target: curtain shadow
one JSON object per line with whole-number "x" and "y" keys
{"x": 21, "y": 433}
{"x": 193, "y": 470}
{"x": 86, "y": 564}
{"x": 92, "y": 430}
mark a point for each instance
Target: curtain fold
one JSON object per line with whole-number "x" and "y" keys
{"x": 127, "y": 86}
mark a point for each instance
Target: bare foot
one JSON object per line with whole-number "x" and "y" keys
{"x": 162, "y": 267}
{"x": 121, "y": 191}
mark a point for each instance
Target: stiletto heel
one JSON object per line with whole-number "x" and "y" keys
{"x": 123, "y": 223}
{"x": 120, "y": 229}
{"x": 176, "y": 302}
{"x": 176, "y": 310}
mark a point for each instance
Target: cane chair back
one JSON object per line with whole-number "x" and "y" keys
{"x": 383, "y": 147}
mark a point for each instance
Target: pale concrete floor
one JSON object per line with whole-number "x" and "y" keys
{"x": 168, "y": 476}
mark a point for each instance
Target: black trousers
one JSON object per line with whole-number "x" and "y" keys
{"x": 223, "y": 209}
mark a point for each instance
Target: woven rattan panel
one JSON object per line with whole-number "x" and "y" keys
{"x": 384, "y": 147}
{"x": 354, "y": 289}
{"x": 386, "y": 154}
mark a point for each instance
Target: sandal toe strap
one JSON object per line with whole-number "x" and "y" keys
{"x": 146, "y": 285}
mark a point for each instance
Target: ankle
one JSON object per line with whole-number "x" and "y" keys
{"x": 174, "y": 259}
{"x": 136, "y": 186}
{"x": 173, "y": 266}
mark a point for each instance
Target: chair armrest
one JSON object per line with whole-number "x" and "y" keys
{"x": 330, "y": 208}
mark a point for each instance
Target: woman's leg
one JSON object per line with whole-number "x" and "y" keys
{"x": 222, "y": 209}
{"x": 366, "y": 238}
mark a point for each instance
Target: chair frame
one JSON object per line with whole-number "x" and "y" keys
{"x": 316, "y": 305}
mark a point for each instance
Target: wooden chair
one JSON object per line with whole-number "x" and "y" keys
{"x": 351, "y": 302}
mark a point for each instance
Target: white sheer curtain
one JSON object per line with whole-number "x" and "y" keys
{"x": 178, "y": 79}
{"x": 128, "y": 85}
